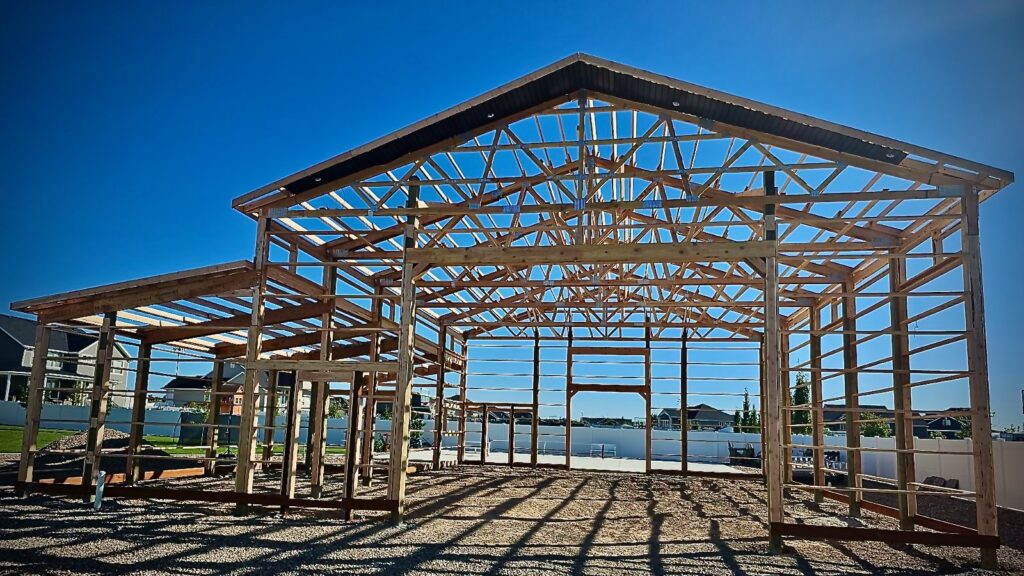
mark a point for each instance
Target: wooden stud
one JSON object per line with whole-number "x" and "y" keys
{"x": 852, "y": 395}
{"x": 684, "y": 409}
{"x": 568, "y": 402}
{"x": 292, "y": 431}
{"x": 977, "y": 361}
{"x": 34, "y": 409}
{"x": 133, "y": 465}
{"x": 817, "y": 413}
{"x": 771, "y": 420}
{"x": 250, "y": 390}
{"x": 535, "y": 414}
{"x": 98, "y": 405}
{"x": 402, "y": 412}
{"x": 353, "y": 440}
{"x": 483, "y": 434}
{"x": 440, "y": 419}
{"x": 270, "y": 417}
{"x": 370, "y": 413}
{"x": 648, "y": 424}
{"x": 902, "y": 404}
{"x": 787, "y": 414}
{"x": 319, "y": 406}
{"x": 461, "y": 454}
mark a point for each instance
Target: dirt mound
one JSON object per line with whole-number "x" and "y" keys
{"x": 112, "y": 440}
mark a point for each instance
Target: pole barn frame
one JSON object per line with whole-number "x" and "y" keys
{"x": 587, "y": 201}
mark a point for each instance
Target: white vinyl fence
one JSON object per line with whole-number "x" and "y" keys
{"x": 953, "y": 461}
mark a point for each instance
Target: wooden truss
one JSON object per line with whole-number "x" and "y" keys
{"x": 593, "y": 201}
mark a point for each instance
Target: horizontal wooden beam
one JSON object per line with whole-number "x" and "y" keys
{"x": 593, "y": 254}
{"x": 620, "y": 388}
{"x": 848, "y": 534}
{"x": 229, "y": 323}
{"x": 226, "y": 350}
{"x": 608, "y": 351}
{"x": 323, "y": 365}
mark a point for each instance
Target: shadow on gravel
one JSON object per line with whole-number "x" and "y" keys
{"x": 487, "y": 521}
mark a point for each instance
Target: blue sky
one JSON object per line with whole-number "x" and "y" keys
{"x": 127, "y": 128}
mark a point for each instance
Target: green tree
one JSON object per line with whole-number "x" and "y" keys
{"x": 337, "y": 408}
{"x": 746, "y": 415}
{"x": 965, "y": 428}
{"x": 801, "y": 397}
{"x": 872, "y": 425}
{"x": 736, "y": 419}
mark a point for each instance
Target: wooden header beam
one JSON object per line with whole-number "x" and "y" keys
{"x": 593, "y": 254}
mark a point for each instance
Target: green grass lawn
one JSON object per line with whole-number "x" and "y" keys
{"x": 11, "y": 437}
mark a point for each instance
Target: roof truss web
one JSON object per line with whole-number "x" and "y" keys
{"x": 492, "y": 189}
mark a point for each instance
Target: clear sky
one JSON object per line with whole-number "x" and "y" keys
{"x": 128, "y": 127}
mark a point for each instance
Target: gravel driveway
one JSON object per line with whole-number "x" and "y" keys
{"x": 470, "y": 520}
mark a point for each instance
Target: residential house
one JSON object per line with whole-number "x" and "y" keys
{"x": 70, "y": 372}
{"x": 700, "y": 417}
{"x": 604, "y": 422}
{"x": 183, "y": 391}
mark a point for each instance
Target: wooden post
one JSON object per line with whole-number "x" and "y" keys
{"x": 904, "y": 417}
{"x": 771, "y": 421}
{"x": 568, "y": 403}
{"x": 535, "y": 418}
{"x": 511, "y": 435}
{"x": 270, "y": 418}
{"x": 761, "y": 408}
{"x": 684, "y": 411}
{"x": 787, "y": 403}
{"x": 817, "y": 413}
{"x": 254, "y": 346}
{"x": 98, "y": 406}
{"x": 402, "y": 412}
{"x": 440, "y": 420}
{"x": 461, "y": 453}
{"x": 316, "y": 445}
{"x": 853, "y": 456}
{"x": 648, "y": 433}
{"x": 483, "y": 435}
{"x": 213, "y": 417}
{"x": 370, "y": 413}
{"x": 34, "y": 409}
{"x": 133, "y": 465}
{"x": 353, "y": 439}
{"x": 977, "y": 363}
{"x": 290, "y": 458}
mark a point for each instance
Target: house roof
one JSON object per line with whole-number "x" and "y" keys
{"x": 563, "y": 80}
{"x": 23, "y": 331}
{"x": 692, "y": 412}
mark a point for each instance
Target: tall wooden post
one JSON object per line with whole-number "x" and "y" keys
{"x": 353, "y": 440}
{"x": 440, "y": 419}
{"x": 133, "y": 465}
{"x": 904, "y": 417}
{"x": 213, "y": 418}
{"x": 316, "y": 446}
{"x": 762, "y": 395}
{"x": 98, "y": 406}
{"x": 461, "y": 452}
{"x": 370, "y": 413}
{"x": 772, "y": 421}
{"x": 568, "y": 402}
{"x": 787, "y": 403}
{"x": 648, "y": 432}
{"x": 290, "y": 457}
{"x": 254, "y": 346}
{"x": 817, "y": 412}
{"x": 511, "y": 435}
{"x": 34, "y": 409}
{"x": 535, "y": 416}
{"x": 977, "y": 363}
{"x": 484, "y": 434}
{"x": 852, "y": 393}
{"x": 684, "y": 411}
{"x": 402, "y": 413}
{"x": 270, "y": 418}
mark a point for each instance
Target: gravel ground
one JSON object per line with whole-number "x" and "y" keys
{"x": 470, "y": 520}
